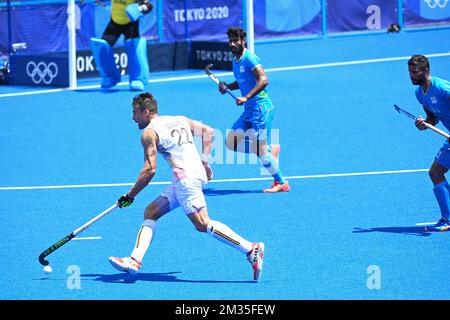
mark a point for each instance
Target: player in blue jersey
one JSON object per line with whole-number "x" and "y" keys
{"x": 254, "y": 124}
{"x": 434, "y": 95}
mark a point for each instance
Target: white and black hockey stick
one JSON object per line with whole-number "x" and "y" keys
{"x": 71, "y": 235}
{"x": 429, "y": 126}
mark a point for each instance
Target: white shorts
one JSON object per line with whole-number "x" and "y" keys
{"x": 187, "y": 193}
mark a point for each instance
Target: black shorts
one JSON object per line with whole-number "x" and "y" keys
{"x": 114, "y": 30}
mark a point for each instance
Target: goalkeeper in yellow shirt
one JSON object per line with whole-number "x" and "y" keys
{"x": 125, "y": 16}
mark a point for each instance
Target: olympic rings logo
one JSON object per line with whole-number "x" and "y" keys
{"x": 437, "y": 3}
{"x": 42, "y": 72}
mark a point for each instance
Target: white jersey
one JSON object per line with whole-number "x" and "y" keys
{"x": 176, "y": 145}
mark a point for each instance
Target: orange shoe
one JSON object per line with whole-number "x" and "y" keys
{"x": 275, "y": 151}
{"x": 278, "y": 187}
{"x": 127, "y": 264}
{"x": 255, "y": 257}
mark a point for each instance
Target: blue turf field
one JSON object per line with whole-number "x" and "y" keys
{"x": 357, "y": 171}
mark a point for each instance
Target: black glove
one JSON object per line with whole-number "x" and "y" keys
{"x": 223, "y": 87}
{"x": 125, "y": 201}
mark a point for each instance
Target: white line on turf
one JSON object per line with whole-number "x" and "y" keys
{"x": 425, "y": 223}
{"x": 316, "y": 176}
{"x": 202, "y": 76}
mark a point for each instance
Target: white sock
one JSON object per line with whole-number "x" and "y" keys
{"x": 224, "y": 234}
{"x": 144, "y": 238}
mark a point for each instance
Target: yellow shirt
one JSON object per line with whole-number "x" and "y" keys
{"x": 118, "y": 13}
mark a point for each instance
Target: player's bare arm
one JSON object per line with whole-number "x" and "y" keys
{"x": 261, "y": 82}
{"x": 207, "y": 133}
{"x": 148, "y": 140}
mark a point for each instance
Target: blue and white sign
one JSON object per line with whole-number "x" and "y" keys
{"x": 40, "y": 70}
{"x": 361, "y": 15}
{"x": 199, "y": 20}
{"x": 435, "y": 9}
{"x": 426, "y": 12}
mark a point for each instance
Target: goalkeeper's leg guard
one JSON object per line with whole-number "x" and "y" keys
{"x": 138, "y": 69}
{"x": 104, "y": 59}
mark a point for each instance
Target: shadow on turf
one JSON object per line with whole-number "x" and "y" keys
{"x": 411, "y": 231}
{"x": 214, "y": 192}
{"x": 154, "y": 277}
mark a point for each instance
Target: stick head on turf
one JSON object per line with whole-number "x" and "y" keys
{"x": 42, "y": 260}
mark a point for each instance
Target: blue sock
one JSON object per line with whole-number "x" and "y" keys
{"x": 441, "y": 191}
{"x": 272, "y": 166}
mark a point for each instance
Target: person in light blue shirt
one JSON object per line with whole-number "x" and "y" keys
{"x": 254, "y": 124}
{"x": 434, "y": 95}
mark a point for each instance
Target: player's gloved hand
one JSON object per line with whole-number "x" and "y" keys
{"x": 208, "y": 170}
{"x": 223, "y": 87}
{"x": 145, "y": 6}
{"x": 125, "y": 201}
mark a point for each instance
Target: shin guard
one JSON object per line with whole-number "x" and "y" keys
{"x": 138, "y": 69}
{"x": 104, "y": 59}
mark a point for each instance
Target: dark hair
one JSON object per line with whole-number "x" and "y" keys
{"x": 146, "y": 101}
{"x": 419, "y": 61}
{"x": 236, "y": 32}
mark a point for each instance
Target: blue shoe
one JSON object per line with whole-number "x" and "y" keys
{"x": 441, "y": 225}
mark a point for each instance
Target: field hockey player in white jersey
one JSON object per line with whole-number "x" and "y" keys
{"x": 172, "y": 136}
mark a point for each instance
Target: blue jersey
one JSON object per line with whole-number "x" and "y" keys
{"x": 437, "y": 99}
{"x": 242, "y": 70}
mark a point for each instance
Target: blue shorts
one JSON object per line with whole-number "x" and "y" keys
{"x": 443, "y": 156}
{"x": 257, "y": 123}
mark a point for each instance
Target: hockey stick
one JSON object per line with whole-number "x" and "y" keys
{"x": 429, "y": 126}
{"x": 71, "y": 235}
{"x": 215, "y": 79}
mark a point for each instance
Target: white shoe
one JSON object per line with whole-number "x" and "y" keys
{"x": 255, "y": 257}
{"x": 127, "y": 264}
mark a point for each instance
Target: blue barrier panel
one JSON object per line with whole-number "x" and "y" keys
{"x": 200, "y": 20}
{"x": 426, "y": 12}
{"x": 287, "y": 18}
{"x": 43, "y": 27}
{"x": 361, "y": 15}
{"x": 217, "y": 53}
{"x": 39, "y": 70}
